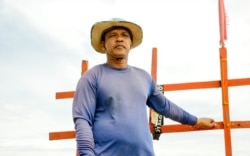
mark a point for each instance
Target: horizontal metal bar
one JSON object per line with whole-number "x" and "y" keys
{"x": 179, "y": 86}
{"x": 62, "y": 135}
{"x": 165, "y": 129}
{"x": 187, "y": 128}
{"x": 205, "y": 84}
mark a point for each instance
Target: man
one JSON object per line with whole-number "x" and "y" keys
{"x": 109, "y": 106}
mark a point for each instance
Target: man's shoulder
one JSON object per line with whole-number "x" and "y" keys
{"x": 141, "y": 70}
{"x": 95, "y": 68}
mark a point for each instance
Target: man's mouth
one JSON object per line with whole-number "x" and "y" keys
{"x": 119, "y": 46}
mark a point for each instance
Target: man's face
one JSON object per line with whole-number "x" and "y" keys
{"x": 117, "y": 43}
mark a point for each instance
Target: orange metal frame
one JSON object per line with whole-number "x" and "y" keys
{"x": 224, "y": 83}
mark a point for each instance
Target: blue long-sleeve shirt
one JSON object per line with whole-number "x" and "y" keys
{"x": 110, "y": 113}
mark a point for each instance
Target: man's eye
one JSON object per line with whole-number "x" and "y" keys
{"x": 126, "y": 35}
{"x": 111, "y": 35}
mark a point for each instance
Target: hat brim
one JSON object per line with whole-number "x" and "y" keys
{"x": 98, "y": 28}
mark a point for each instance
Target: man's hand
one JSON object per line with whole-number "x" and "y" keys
{"x": 205, "y": 123}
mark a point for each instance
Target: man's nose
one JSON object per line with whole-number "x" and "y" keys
{"x": 119, "y": 38}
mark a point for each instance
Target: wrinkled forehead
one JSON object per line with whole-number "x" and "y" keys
{"x": 114, "y": 28}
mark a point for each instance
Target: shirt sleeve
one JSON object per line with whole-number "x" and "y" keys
{"x": 83, "y": 109}
{"x": 84, "y": 138}
{"x": 162, "y": 105}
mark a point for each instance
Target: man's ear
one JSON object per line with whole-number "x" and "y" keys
{"x": 102, "y": 45}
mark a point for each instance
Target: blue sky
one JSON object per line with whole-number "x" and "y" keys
{"x": 42, "y": 44}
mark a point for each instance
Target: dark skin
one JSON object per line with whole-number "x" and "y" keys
{"x": 117, "y": 44}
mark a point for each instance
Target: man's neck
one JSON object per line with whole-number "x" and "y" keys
{"x": 118, "y": 63}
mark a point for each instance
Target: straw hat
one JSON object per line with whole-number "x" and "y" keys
{"x": 99, "y": 28}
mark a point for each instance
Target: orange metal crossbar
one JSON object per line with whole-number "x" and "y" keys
{"x": 179, "y": 86}
{"x": 165, "y": 129}
{"x": 205, "y": 84}
{"x": 62, "y": 135}
{"x": 185, "y": 128}
{"x": 65, "y": 95}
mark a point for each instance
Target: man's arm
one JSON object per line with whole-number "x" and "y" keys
{"x": 83, "y": 115}
{"x": 167, "y": 108}
{"x": 84, "y": 138}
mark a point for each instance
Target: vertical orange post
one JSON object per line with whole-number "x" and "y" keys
{"x": 84, "y": 66}
{"x": 154, "y": 75}
{"x": 154, "y": 64}
{"x": 225, "y": 101}
{"x": 155, "y": 119}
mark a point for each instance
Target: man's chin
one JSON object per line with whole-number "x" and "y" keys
{"x": 120, "y": 53}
